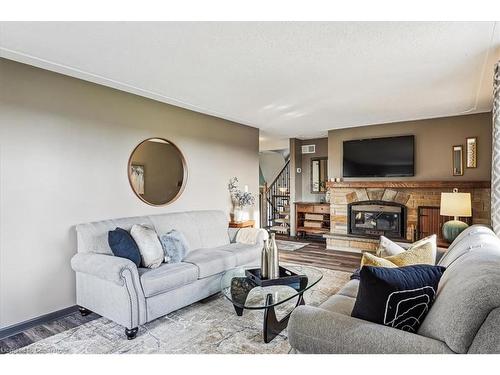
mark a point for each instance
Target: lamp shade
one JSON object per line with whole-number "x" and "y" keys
{"x": 455, "y": 204}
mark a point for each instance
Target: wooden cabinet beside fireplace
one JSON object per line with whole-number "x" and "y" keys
{"x": 312, "y": 218}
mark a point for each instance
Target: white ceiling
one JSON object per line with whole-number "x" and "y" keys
{"x": 290, "y": 79}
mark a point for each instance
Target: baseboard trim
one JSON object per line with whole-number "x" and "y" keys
{"x": 27, "y": 324}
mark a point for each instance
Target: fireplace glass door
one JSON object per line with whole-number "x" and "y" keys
{"x": 376, "y": 220}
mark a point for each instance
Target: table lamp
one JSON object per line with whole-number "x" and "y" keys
{"x": 455, "y": 204}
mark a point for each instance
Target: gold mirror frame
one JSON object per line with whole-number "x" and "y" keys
{"x": 184, "y": 176}
{"x": 458, "y": 170}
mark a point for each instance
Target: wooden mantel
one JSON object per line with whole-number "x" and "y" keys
{"x": 449, "y": 184}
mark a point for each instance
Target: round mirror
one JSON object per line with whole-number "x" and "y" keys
{"x": 157, "y": 171}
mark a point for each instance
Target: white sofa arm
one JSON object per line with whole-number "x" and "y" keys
{"x": 251, "y": 236}
{"x": 106, "y": 267}
{"x": 110, "y": 286}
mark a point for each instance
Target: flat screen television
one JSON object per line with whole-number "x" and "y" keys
{"x": 379, "y": 157}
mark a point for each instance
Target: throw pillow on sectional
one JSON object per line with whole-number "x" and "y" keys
{"x": 397, "y": 297}
{"x": 123, "y": 245}
{"x": 421, "y": 252}
{"x": 149, "y": 246}
{"x": 175, "y": 246}
{"x": 386, "y": 247}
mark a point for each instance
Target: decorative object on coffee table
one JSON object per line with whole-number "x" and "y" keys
{"x": 455, "y": 204}
{"x": 273, "y": 258}
{"x": 246, "y": 289}
{"x": 264, "y": 270}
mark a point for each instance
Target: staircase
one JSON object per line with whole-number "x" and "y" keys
{"x": 277, "y": 199}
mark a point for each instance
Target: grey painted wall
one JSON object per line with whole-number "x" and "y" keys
{"x": 321, "y": 151}
{"x": 271, "y": 163}
{"x": 64, "y": 147}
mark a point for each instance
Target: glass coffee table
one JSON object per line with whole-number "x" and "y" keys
{"x": 245, "y": 293}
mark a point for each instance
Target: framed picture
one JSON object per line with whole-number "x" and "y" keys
{"x": 137, "y": 178}
{"x": 471, "y": 152}
{"x": 457, "y": 158}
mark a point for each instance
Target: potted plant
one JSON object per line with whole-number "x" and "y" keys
{"x": 241, "y": 200}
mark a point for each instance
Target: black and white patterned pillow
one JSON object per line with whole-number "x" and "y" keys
{"x": 397, "y": 297}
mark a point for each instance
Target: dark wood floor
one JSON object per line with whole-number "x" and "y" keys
{"x": 43, "y": 331}
{"x": 313, "y": 254}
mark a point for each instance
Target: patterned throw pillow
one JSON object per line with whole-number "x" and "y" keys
{"x": 375, "y": 261}
{"x": 427, "y": 241}
{"x": 420, "y": 252}
{"x": 149, "y": 246}
{"x": 397, "y": 297}
{"x": 174, "y": 245}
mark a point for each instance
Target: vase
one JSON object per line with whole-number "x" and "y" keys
{"x": 264, "y": 271}
{"x": 240, "y": 214}
{"x": 273, "y": 266}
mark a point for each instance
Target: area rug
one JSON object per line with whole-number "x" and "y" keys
{"x": 290, "y": 245}
{"x": 210, "y": 326}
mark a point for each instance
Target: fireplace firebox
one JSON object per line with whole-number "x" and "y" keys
{"x": 376, "y": 218}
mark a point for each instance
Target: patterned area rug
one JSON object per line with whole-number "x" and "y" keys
{"x": 210, "y": 326}
{"x": 290, "y": 245}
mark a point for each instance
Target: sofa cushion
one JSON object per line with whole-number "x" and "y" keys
{"x": 350, "y": 289}
{"x": 167, "y": 277}
{"x": 245, "y": 254}
{"x": 339, "y": 304}
{"x": 93, "y": 237}
{"x": 202, "y": 229}
{"x": 211, "y": 261}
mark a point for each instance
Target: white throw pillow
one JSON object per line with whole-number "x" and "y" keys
{"x": 387, "y": 248}
{"x": 149, "y": 246}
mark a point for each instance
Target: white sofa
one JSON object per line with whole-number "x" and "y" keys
{"x": 115, "y": 288}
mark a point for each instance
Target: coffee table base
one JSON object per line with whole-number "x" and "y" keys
{"x": 273, "y": 326}
{"x": 241, "y": 287}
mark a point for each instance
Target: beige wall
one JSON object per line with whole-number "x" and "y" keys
{"x": 434, "y": 139}
{"x": 321, "y": 151}
{"x": 64, "y": 147}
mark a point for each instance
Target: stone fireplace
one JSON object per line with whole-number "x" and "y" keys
{"x": 362, "y": 211}
{"x": 376, "y": 218}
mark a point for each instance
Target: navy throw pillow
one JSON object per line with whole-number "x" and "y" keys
{"x": 123, "y": 245}
{"x": 355, "y": 274}
{"x": 397, "y": 297}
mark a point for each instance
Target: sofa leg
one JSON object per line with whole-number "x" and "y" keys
{"x": 131, "y": 333}
{"x": 84, "y": 311}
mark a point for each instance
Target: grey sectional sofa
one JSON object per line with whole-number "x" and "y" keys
{"x": 465, "y": 317}
{"x": 115, "y": 288}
